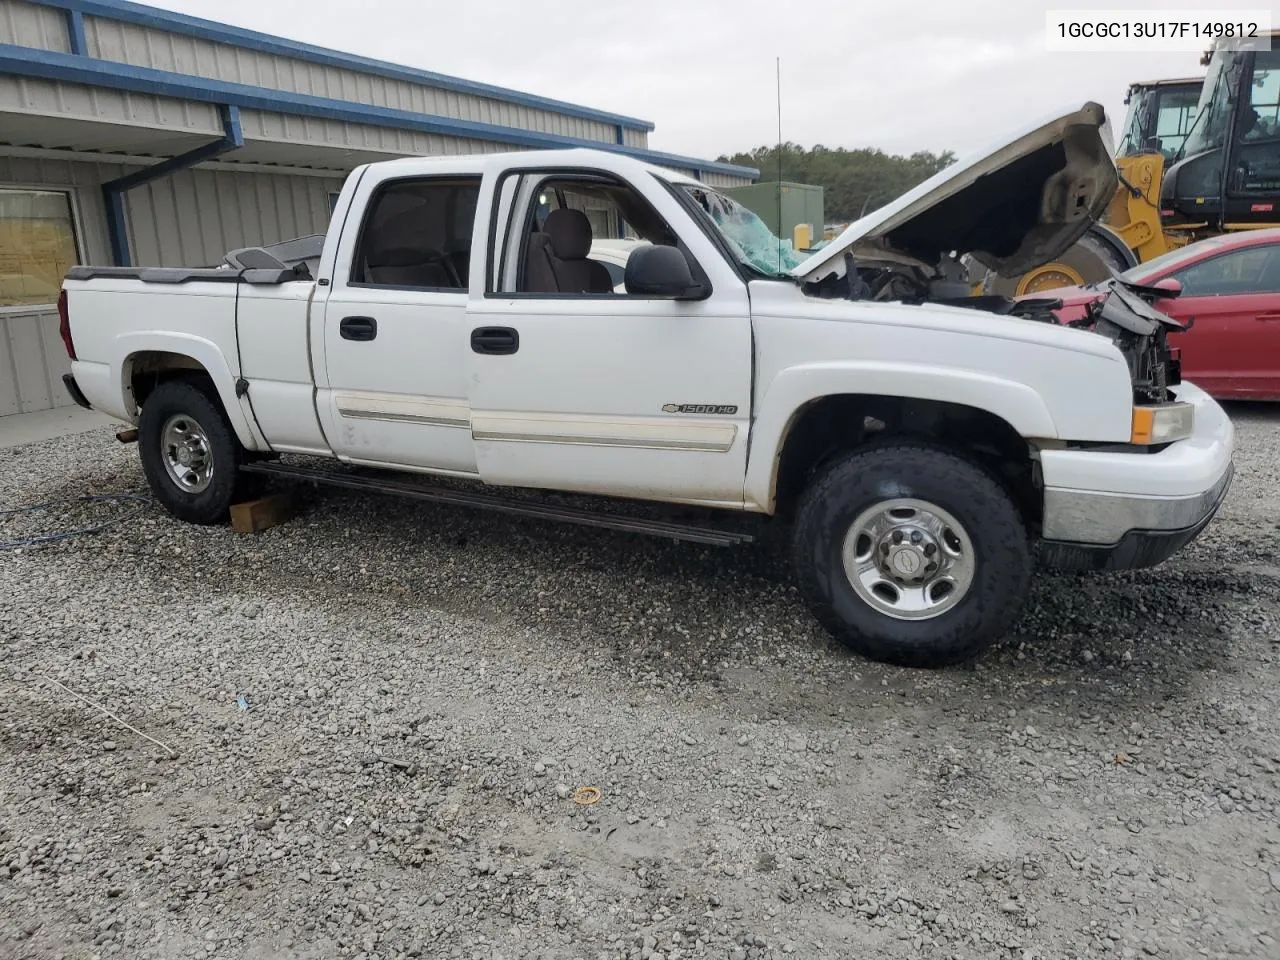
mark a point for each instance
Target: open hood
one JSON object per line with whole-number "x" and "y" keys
{"x": 1012, "y": 207}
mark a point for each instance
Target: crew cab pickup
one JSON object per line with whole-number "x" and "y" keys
{"x": 926, "y": 445}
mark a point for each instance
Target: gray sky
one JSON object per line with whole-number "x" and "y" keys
{"x": 905, "y": 75}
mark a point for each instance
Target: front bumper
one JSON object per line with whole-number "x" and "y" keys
{"x": 1138, "y": 547}
{"x": 1110, "y": 511}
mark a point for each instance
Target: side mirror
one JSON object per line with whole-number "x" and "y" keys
{"x": 1170, "y": 286}
{"x": 662, "y": 272}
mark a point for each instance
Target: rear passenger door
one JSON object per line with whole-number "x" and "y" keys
{"x": 395, "y": 327}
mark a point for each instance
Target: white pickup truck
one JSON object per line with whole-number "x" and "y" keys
{"x": 927, "y": 445}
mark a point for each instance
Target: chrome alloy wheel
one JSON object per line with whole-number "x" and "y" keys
{"x": 187, "y": 456}
{"x": 908, "y": 559}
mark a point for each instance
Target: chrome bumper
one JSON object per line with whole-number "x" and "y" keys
{"x": 1079, "y": 516}
{"x": 1113, "y": 510}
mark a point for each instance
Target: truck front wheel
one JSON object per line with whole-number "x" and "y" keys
{"x": 190, "y": 454}
{"x": 911, "y": 555}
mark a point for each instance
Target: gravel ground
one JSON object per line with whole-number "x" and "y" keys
{"x": 426, "y": 686}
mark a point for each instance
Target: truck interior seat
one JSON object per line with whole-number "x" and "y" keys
{"x": 406, "y": 249}
{"x": 557, "y": 257}
{"x": 410, "y": 267}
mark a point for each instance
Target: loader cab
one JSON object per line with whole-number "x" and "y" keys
{"x": 1159, "y": 117}
{"x": 1226, "y": 176}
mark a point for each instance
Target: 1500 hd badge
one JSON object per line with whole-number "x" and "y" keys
{"x": 716, "y": 409}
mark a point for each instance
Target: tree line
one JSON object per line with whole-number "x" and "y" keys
{"x": 854, "y": 182}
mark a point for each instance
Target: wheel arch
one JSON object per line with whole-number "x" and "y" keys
{"x": 1113, "y": 243}
{"x": 146, "y": 359}
{"x": 788, "y": 449}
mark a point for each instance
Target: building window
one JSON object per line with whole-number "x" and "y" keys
{"x": 37, "y": 245}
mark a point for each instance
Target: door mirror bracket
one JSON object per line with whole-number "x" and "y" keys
{"x": 663, "y": 273}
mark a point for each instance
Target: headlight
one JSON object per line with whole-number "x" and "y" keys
{"x": 1163, "y": 424}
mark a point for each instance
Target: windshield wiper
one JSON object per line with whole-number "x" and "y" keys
{"x": 1219, "y": 80}
{"x": 1190, "y": 130}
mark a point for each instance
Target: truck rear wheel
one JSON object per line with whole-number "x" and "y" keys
{"x": 911, "y": 555}
{"x": 190, "y": 454}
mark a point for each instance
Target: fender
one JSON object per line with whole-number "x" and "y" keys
{"x": 208, "y": 355}
{"x": 1108, "y": 238}
{"x": 792, "y": 390}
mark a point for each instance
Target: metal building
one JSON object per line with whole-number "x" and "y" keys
{"x": 784, "y": 206}
{"x": 130, "y": 134}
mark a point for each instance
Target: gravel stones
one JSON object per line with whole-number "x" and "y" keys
{"x": 763, "y": 794}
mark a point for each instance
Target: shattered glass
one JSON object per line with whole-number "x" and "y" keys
{"x": 754, "y": 243}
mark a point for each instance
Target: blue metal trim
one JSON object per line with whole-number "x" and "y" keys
{"x": 75, "y": 33}
{"x": 52, "y": 65}
{"x": 166, "y": 20}
{"x": 117, "y": 227}
{"x": 620, "y": 135}
{"x": 113, "y": 190}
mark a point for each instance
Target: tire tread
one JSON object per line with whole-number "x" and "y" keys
{"x": 960, "y": 639}
{"x": 197, "y": 398}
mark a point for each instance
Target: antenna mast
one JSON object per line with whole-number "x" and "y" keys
{"x": 778, "y": 76}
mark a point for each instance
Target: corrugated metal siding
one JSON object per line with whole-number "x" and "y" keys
{"x": 713, "y": 179}
{"x": 147, "y": 47}
{"x": 32, "y": 362}
{"x": 635, "y": 138}
{"x": 195, "y": 216}
{"x": 188, "y": 219}
{"x": 32, "y": 359}
{"x": 28, "y": 25}
{"x": 52, "y": 98}
{"x": 261, "y": 125}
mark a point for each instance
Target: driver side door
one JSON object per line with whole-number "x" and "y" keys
{"x": 607, "y": 392}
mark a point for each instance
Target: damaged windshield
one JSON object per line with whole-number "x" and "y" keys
{"x": 753, "y": 243}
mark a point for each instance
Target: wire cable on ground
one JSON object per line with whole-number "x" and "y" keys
{"x": 102, "y": 709}
{"x": 79, "y": 532}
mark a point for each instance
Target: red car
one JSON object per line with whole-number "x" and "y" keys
{"x": 1229, "y": 290}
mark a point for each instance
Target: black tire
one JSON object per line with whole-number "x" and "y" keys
{"x": 197, "y": 402}
{"x": 1001, "y": 553}
{"x": 1089, "y": 257}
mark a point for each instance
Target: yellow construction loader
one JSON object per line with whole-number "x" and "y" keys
{"x": 1197, "y": 157}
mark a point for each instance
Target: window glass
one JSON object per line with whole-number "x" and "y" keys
{"x": 569, "y": 215}
{"x": 1131, "y": 141}
{"x": 37, "y": 245}
{"x": 1243, "y": 271}
{"x": 418, "y": 234}
{"x": 1264, "y": 98}
{"x": 750, "y": 239}
{"x": 1269, "y": 281}
{"x": 1173, "y": 119}
{"x": 1209, "y": 129}
{"x": 601, "y": 212}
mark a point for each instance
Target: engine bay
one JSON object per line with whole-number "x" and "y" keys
{"x": 1124, "y": 312}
